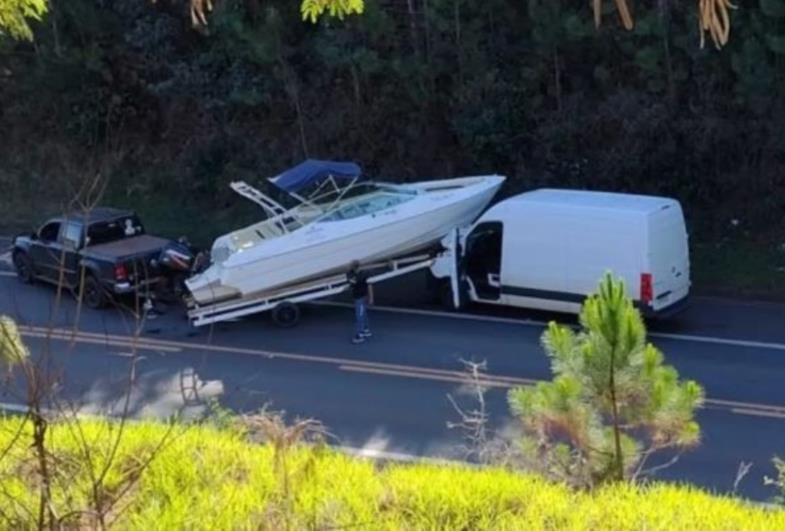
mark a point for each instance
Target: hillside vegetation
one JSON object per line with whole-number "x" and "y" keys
{"x": 208, "y": 478}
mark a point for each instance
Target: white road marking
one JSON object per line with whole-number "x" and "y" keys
{"x": 543, "y": 324}
{"x": 16, "y": 408}
{"x": 7, "y": 274}
{"x": 376, "y": 454}
{"x": 368, "y": 453}
{"x": 720, "y": 341}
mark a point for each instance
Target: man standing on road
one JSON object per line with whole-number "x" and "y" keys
{"x": 360, "y": 292}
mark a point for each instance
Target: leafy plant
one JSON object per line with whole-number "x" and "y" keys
{"x": 779, "y": 481}
{"x": 313, "y": 9}
{"x": 612, "y": 402}
{"x": 16, "y": 14}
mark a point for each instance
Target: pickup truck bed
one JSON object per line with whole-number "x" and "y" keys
{"x": 127, "y": 248}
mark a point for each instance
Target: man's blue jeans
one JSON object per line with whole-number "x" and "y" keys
{"x": 361, "y": 316}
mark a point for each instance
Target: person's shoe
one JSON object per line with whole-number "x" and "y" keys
{"x": 366, "y": 334}
{"x": 358, "y": 339}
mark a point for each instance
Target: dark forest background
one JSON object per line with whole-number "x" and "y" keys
{"x": 411, "y": 89}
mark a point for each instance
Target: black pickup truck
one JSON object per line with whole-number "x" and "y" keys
{"x": 106, "y": 251}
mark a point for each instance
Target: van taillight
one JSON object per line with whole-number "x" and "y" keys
{"x": 120, "y": 272}
{"x": 647, "y": 289}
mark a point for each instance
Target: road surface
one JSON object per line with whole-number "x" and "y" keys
{"x": 391, "y": 393}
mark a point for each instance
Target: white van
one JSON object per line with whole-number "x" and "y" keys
{"x": 548, "y": 249}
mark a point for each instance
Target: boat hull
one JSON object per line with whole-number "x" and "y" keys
{"x": 324, "y": 248}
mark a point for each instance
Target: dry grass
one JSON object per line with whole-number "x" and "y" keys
{"x": 207, "y": 478}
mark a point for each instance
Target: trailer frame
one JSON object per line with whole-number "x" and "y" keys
{"x": 283, "y": 302}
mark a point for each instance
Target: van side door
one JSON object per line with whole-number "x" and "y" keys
{"x": 482, "y": 259}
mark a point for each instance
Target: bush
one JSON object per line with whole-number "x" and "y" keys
{"x": 210, "y": 478}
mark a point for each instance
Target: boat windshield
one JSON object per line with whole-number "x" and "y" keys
{"x": 326, "y": 195}
{"x": 368, "y": 205}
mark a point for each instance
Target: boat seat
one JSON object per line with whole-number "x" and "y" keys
{"x": 267, "y": 230}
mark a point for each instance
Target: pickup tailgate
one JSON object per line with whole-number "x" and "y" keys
{"x": 127, "y": 249}
{"x": 134, "y": 254}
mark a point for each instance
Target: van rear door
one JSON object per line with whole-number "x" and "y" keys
{"x": 668, "y": 257}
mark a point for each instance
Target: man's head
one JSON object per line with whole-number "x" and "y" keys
{"x": 354, "y": 265}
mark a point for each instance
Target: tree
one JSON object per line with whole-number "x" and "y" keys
{"x": 612, "y": 402}
{"x": 313, "y": 9}
{"x": 15, "y": 14}
{"x": 310, "y": 9}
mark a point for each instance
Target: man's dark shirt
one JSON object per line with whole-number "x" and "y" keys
{"x": 359, "y": 283}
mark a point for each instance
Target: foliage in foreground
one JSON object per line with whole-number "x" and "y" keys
{"x": 208, "y": 478}
{"x": 612, "y": 402}
{"x": 778, "y": 481}
{"x": 12, "y": 350}
{"x": 15, "y": 16}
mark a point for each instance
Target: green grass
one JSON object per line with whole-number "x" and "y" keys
{"x": 206, "y": 478}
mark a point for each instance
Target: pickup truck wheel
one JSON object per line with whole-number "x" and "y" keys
{"x": 24, "y": 267}
{"x": 93, "y": 293}
{"x": 286, "y": 314}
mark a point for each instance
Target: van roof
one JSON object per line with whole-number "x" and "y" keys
{"x": 598, "y": 200}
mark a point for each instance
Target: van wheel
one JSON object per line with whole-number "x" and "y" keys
{"x": 93, "y": 294}
{"x": 286, "y": 314}
{"x": 24, "y": 268}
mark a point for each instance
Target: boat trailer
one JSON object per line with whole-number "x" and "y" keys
{"x": 283, "y": 302}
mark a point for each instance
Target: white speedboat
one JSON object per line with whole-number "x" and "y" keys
{"x": 342, "y": 219}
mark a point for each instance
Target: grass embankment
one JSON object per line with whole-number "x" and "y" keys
{"x": 211, "y": 479}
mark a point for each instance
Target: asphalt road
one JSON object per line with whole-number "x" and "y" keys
{"x": 391, "y": 393}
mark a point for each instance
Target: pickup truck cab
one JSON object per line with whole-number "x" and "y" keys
{"x": 105, "y": 253}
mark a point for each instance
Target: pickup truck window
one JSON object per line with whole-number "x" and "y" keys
{"x": 116, "y": 229}
{"x": 49, "y": 232}
{"x": 72, "y": 234}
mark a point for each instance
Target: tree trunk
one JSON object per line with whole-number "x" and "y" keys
{"x": 664, "y": 8}
{"x": 294, "y": 94}
{"x": 619, "y": 473}
{"x": 458, "y": 46}
{"x": 557, "y": 77}
{"x": 45, "y": 516}
{"x": 55, "y": 29}
{"x": 414, "y": 34}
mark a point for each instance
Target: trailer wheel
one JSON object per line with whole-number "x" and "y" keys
{"x": 286, "y": 314}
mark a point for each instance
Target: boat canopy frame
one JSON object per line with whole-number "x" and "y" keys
{"x": 330, "y": 178}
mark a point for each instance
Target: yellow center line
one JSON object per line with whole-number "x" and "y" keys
{"x": 485, "y": 382}
{"x": 97, "y": 339}
{"x": 353, "y": 365}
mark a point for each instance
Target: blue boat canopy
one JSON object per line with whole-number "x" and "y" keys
{"x": 313, "y": 171}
